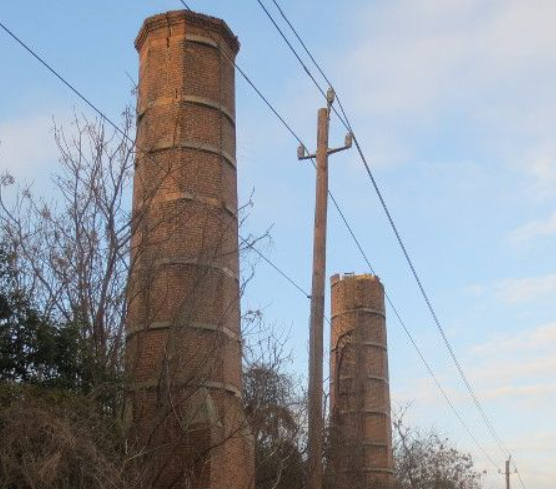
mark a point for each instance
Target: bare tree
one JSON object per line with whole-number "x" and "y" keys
{"x": 72, "y": 253}
{"x": 428, "y": 460}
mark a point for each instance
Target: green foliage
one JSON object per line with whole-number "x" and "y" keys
{"x": 35, "y": 350}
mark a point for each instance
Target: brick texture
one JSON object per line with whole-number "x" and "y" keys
{"x": 361, "y": 433}
{"x": 183, "y": 352}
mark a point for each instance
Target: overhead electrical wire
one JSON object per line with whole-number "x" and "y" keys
{"x": 519, "y": 476}
{"x": 65, "y": 82}
{"x": 276, "y": 268}
{"x": 413, "y": 342}
{"x": 345, "y": 121}
{"x": 313, "y": 60}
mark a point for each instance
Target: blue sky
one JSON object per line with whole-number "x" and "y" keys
{"x": 455, "y": 105}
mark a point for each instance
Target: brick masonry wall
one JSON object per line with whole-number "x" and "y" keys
{"x": 183, "y": 333}
{"x": 361, "y": 434}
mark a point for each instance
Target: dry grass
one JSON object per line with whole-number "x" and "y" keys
{"x": 56, "y": 441}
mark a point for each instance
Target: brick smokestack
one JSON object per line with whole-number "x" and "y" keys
{"x": 361, "y": 433}
{"x": 183, "y": 333}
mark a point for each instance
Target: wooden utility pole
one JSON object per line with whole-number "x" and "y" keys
{"x": 316, "y": 425}
{"x": 508, "y": 473}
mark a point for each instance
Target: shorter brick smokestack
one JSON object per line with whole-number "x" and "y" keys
{"x": 361, "y": 433}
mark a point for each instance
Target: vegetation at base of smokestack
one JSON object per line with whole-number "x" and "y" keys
{"x": 423, "y": 459}
{"x": 63, "y": 275}
{"x": 275, "y": 405}
{"x": 54, "y": 439}
{"x": 428, "y": 460}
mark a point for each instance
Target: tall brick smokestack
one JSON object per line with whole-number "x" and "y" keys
{"x": 361, "y": 433}
{"x": 183, "y": 334}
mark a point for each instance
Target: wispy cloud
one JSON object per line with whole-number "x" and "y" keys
{"x": 543, "y": 336}
{"x": 517, "y": 366}
{"x": 515, "y": 291}
{"x": 543, "y": 171}
{"x": 531, "y": 231}
{"x": 536, "y": 392}
{"x": 444, "y": 51}
{"x": 484, "y": 69}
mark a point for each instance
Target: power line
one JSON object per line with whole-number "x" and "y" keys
{"x": 275, "y": 267}
{"x": 343, "y": 117}
{"x": 286, "y": 40}
{"x": 65, "y": 82}
{"x": 346, "y": 123}
{"x": 312, "y": 58}
{"x": 414, "y": 342}
{"x": 519, "y": 476}
{"x": 292, "y": 132}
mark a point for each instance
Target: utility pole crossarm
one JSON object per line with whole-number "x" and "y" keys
{"x": 302, "y": 152}
{"x": 347, "y": 145}
{"x": 316, "y": 423}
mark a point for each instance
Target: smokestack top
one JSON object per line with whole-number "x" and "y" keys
{"x": 352, "y": 276}
{"x": 177, "y": 17}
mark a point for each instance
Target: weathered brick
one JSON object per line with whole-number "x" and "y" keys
{"x": 361, "y": 433}
{"x": 183, "y": 331}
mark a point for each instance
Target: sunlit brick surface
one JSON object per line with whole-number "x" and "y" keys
{"x": 361, "y": 435}
{"x": 183, "y": 333}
